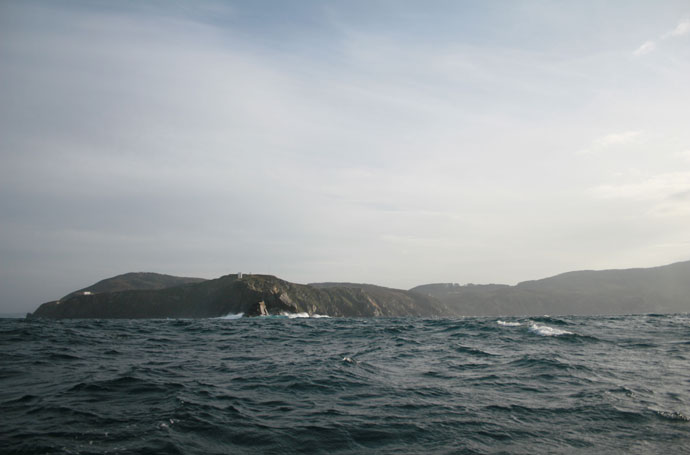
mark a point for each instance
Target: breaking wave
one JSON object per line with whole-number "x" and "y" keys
{"x": 231, "y": 316}
{"x": 303, "y": 315}
{"x": 508, "y": 323}
{"x": 546, "y": 331}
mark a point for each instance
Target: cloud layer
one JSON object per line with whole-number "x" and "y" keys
{"x": 336, "y": 142}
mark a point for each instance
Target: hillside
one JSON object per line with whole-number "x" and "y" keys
{"x": 232, "y": 295}
{"x": 664, "y": 289}
{"x": 135, "y": 281}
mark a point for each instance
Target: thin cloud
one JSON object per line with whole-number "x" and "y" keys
{"x": 681, "y": 29}
{"x": 611, "y": 140}
{"x": 625, "y": 137}
{"x": 651, "y": 188}
{"x": 645, "y": 48}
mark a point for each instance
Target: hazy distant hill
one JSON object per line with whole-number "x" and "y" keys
{"x": 231, "y": 295}
{"x": 654, "y": 290}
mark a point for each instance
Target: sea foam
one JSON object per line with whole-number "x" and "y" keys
{"x": 508, "y": 323}
{"x": 303, "y": 315}
{"x": 546, "y": 331}
{"x": 232, "y": 316}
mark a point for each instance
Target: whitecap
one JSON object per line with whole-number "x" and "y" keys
{"x": 508, "y": 323}
{"x": 303, "y": 315}
{"x": 295, "y": 315}
{"x": 546, "y": 331}
{"x": 231, "y": 316}
{"x": 673, "y": 415}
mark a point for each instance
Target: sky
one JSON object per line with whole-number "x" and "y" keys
{"x": 389, "y": 142}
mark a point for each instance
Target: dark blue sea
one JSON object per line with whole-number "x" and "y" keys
{"x": 339, "y": 386}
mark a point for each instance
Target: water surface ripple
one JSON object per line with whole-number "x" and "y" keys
{"x": 276, "y": 385}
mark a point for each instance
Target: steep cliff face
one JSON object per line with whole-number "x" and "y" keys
{"x": 252, "y": 295}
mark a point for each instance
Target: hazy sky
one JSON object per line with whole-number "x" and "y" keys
{"x": 389, "y": 142}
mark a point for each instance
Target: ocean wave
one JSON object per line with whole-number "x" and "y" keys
{"x": 303, "y": 315}
{"x": 472, "y": 351}
{"x": 673, "y": 415}
{"x": 231, "y": 316}
{"x": 274, "y": 385}
{"x": 546, "y": 331}
{"x": 508, "y": 323}
{"x": 547, "y": 319}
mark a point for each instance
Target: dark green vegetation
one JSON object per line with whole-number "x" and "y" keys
{"x": 231, "y": 295}
{"x": 656, "y": 290}
{"x": 135, "y": 281}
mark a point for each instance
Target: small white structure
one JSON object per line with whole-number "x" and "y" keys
{"x": 239, "y": 276}
{"x": 87, "y": 293}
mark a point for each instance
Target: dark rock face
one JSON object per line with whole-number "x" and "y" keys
{"x": 272, "y": 306}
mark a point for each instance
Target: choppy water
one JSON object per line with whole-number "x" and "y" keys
{"x": 265, "y": 385}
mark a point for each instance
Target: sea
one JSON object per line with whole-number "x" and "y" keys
{"x": 287, "y": 385}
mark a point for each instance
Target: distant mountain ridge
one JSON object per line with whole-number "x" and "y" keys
{"x": 664, "y": 289}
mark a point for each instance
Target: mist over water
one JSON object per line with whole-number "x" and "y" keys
{"x": 280, "y": 385}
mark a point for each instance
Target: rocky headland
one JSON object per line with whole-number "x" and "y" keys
{"x": 663, "y": 289}
{"x": 250, "y": 295}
